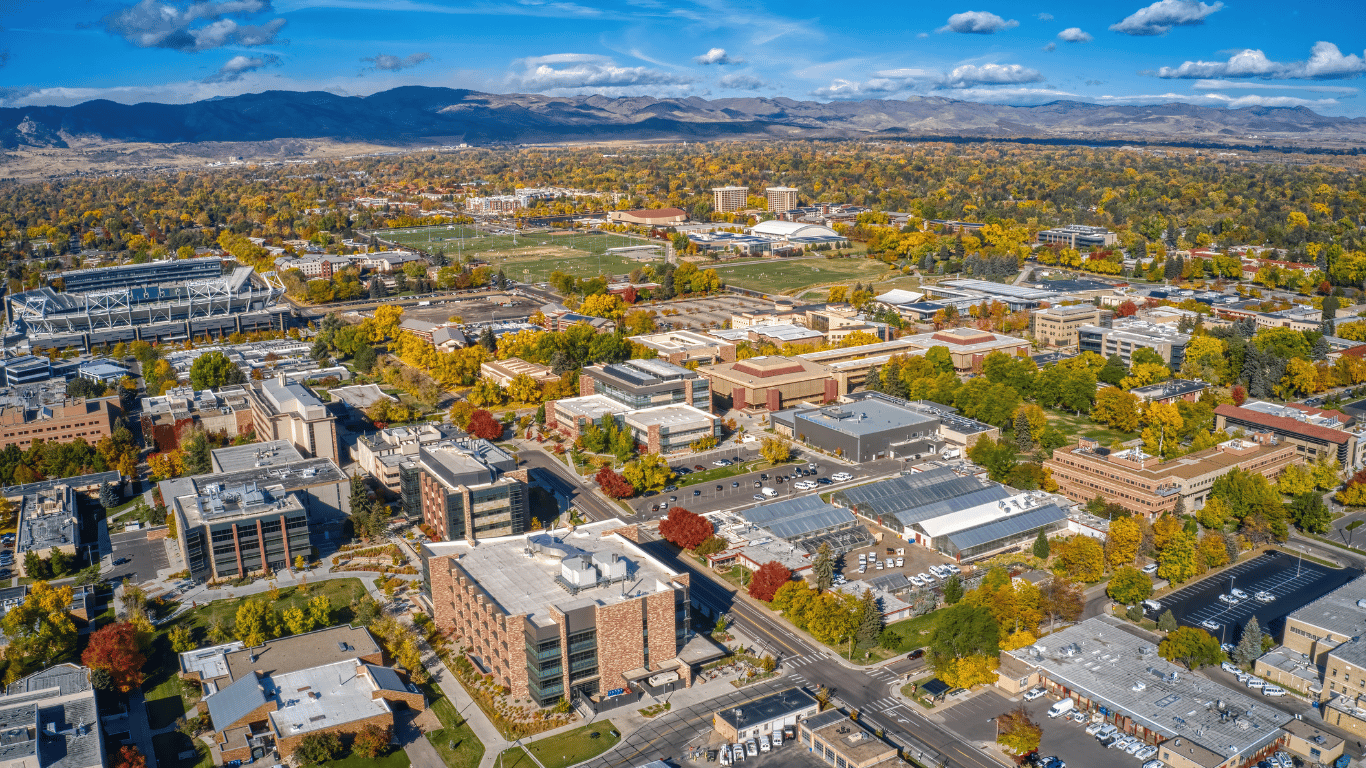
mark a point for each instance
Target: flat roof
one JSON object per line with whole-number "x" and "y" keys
{"x": 982, "y": 514}
{"x": 592, "y": 407}
{"x": 901, "y": 346}
{"x": 676, "y": 340}
{"x": 521, "y": 573}
{"x": 1338, "y": 611}
{"x": 1001, "y": 289}
{"x": 235, "y": 458}
{"x": 1170, "y": 388}
{"x": 1123, "y": 673}
{"x": 209, "y": 662}
{"x": 772, "y": 707}
{"x": 323, "y": 697}
{"x": 675, "y": 414}
{"x": 864, "y": 417}
{"x": 769, "y": 371}
{"x": 287, "y": 654}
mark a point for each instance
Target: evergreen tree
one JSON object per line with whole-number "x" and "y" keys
{"x": 540, "y": 414}
{"x": 1167, "y": 622}
{"x": 377, "y": 289}
{"x": 487, "y": 340}
{"x": 953, "y": 589}
{"x": 1250, "y": 645}
{"x": 1330, "y": 307}
{"x": 1022, "y": 436}
{"x": 108, "y": 496}
{"x": 501, "y": 280}
{"x": 1328, "y": 328}
{"x": 823, "y": 569}
{"x": 1321, "y": 348}
{"x": 1041, "y": 548}
{"x": 870, "y": 619}
{"x": 874, "y": 382}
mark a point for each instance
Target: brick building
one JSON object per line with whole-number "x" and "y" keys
{"x": 465, "y": 488}
{"x": 583, "y": 612}
{"x": 661, "y": 429}
{"x": 968, "y": 347}
{"x": 504, "y": 371}
{"x": 770, "y": 382}
{"x": 682, "y": 347}
{"x": 168, "y": 419}
{"x": 1313, "y": 432}
{"x": 59, "y": 422}
{"x": 382, "y": 453}
{"x": 1149, "y": 486}
{"x": 1057, "y": 326}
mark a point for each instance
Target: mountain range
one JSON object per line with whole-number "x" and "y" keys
{"x": 421, "y": 115}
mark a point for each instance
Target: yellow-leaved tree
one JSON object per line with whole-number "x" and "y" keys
{"x": 1162, "y": 423}
{"x": 1121, "y": 546}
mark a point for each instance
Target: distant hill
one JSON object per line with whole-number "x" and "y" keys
{"x": 420, "y": 115}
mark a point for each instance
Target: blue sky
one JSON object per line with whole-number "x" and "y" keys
{"x": 1236, "y": 53}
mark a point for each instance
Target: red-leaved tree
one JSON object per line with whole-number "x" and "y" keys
{"x": 482, "y": 424}
{"x": 114, "y": 648}
{"x": 130, "y": 757}
{"x": 685, "y": 529}
{"x": 1239, "y": 395}
{"x": 768, "y": 579}
{"x": 613, "y": 484}
{"x": 1126, "y": 309}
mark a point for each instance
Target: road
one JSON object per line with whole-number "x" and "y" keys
{"x": 809, "y": 664}
{"x": 553, "y": 473}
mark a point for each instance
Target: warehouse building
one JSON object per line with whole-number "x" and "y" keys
{"x": 764, "y": 715}
{"x": 159, "y": 301}
{"x": 873, "y": 427}
{"x": 1108, "y": 672}
{"x": 843, "y": 742}
{"x": 900, "y": 502}
{"x": 52, "y": 720}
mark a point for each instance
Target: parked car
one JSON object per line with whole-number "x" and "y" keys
{"x": 1154, "y": 764}
{"x": 1150, "y": 568}
{"x": 1146, "y": 752}
{"x": 751, "y": 748}
{"x": 1211, "y": 625}
{"x": 918, "y": 653}
{"x": 1133, "y": 748}
{"x": 721, "y": 463}
{"x": 917, "y": 581}
{"x": 1238, "y": 593}
{"x": 1226, "y": 648}
{"x": 824, "y": 480}
{"x": 1094, "y": 728}
{"x": 1229, "y": 668}
{"x": 696, "y": 492}
{"x": 735, "y": 484}
{"x": 1077, "y": 716}
{"x": 758, "y": 497}
{"x": 720, "y": 488}
{"x": 1264, "y": 597}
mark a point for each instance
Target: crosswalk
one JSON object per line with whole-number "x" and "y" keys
{"x": 884, "y": 703}
{"x": 882, "y": 675}
{"x": 797, "y": 661}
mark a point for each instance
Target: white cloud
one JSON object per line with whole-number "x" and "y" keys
{"x": 153, "y": 24}
{"x": 1051, "y": 47}
{"x": 1160, "y": 17}
{"x": 1014, "y": 96}
{"x": 977, "y": 23}
{"x": 238, "y": 66}
{"x": 1256, "y": 100}
{"x": 1325, "y": 62}
{"x": 990, "y": 74}
{"x": 1074, "y": 35}
{"x": 1044, "y": 16}
{"x": 387, "y": 63}
{"x": 742, "y": 82}
{"x": 1225, "y": 85}
{"x": 578, "y": 71}
{"x": 717, "y": 56}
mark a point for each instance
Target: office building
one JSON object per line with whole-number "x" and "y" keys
{"x": 765, "y": 715}
{"x": 874, "y": 427}
{"x": 843, "y": 742}
{"x": 837, "y": 323}
{"x": 660, "y": 429}
{"x": 781, "y": 199}
{"x": 968, "y": 347}
{"x": 1118, "y": 677}
{"x": 1079, "y": 236}
{"x": 1313, "y": 432}
{"x": 1149, "y": 486}
{"x": 504, "y": 371}
{"x": 167, "y": 419}
{"x": 729, "y": 199}
{"x": 956, "y": 430}
{"x": 49, "y": 518}
{"x": 682, "y": 347}
{"x": 646, "y": 383}
{"x": 579, "y": 612}
{"x": 26, "y": 416}
{"x": 465, "y": 488}
{"x": 159, "y": 301}
{"x": 51, "y": 720}
{"x": 262, "y": 701}
{"x": 850, "y": 366}
{"x": 286, "y": 410}
{"x": 1126, "y": 335}
{"x": 1057, "y": 326}
{"x": 770, "y": 383}
{"x": 382, "y": 454}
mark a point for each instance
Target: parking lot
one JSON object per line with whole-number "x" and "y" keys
{"x": 145, "y": 557}
{"x": 1292, "y": 581}
{"x": 975, "y": 719}
{"x": 734, "y": 492}
{"x": 915, "y": 559}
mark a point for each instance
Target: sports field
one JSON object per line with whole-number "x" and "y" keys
{"x": 527, "y": 257}
{"x": 790, "y": 275}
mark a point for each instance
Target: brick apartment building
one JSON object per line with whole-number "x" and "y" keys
{"x": 1146, "y": 485}
{"x": 583, "y": 612}
{"x": 59, "y": 422}
{"x": 465, "y": 489}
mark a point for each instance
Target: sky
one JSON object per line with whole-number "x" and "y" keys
{"x": 1240, "y": 53}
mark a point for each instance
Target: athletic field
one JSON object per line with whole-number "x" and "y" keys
{"x": 529, "y": 257}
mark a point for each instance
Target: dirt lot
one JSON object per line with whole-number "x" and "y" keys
{"x": 473, "y": 310}
{"x": 710, "y": 312}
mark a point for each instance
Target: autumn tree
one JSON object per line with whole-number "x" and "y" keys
{"x": 613, "y": 484}
{"x": 1017, "y": 732}
{"x": 371, "y": 741}
{"x": 114, "y": 648}
{"x": 775, "y": 451}
{"x": 1122, "y": 541}
{"x": 685, "y": 529}
{"x": 768, "y": 579}
{"x": 1061, "y": 600}
{"x": 1082, "y": 558}
{"x": 130, "y": 757}
{"x": 182, "y": 638}
{"x": 40, "y": 629}
{"x": 319, "y": 747}
{"x": 1129, "y": 585}
{"x": 483, "y": 425}
{"x": 1190, "y": 646}
{"x": 649, "y": 472}
{"x": 1163, "y": 424}
{"x": 1116, "y": 409}
{"x": 1178, "y": 561}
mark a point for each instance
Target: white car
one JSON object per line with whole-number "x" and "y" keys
{"x": 751, "y": 748}
{"x": 840, "y": 477}
{"x": 763, "y": 744}
{"x": 1034, "y": 693}
{"x": 1122, "y": 743}
{"x": 1094, "y": 728}
{"x": 862, "y": 567}
{"x": 1146, "y": 752}
{"x": 862, "y": 558}
{"x": 1154, "y": 764}
{"x": 1238, "y": 593}
{"x": 1211, "y": 625}
{"x": 1150, "y": 568}
{"x": 916, "y": 580}
{"x": 1229, "y": 600}
{"x": 1133, "y": 748}
{"x": 879, "y": 565}
{"x": 889, "y": 562}
{"x": 1229, "y": 668}
{"x": 1265, "y": 597}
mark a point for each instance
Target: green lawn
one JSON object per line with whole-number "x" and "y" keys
{"x": 456, "y": 742}
{"x": 168, "y": 747}
{"x": 395, "y": 759}
{"x": 914, "y": 631}
{"x": 1080, "y": 426}
{"x": 722, "y": 473}
{"x": 565, "y": 749}
{"x": 787, "y": 275}
{"x": 533, "y": 256}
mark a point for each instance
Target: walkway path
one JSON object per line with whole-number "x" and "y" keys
{"x": 139, "y": 730}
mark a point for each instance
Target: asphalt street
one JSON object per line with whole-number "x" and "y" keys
{"x": 870, "y": 691}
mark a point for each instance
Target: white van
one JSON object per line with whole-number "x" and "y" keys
{"x": 1152, "y": 605}
{"x": 769, "y": 492}
{"x": 1061, "y": 708}
{"x": 1255, "y": 683}
{"x": 763, "y": 744}
{"x": 1273, "y": 690}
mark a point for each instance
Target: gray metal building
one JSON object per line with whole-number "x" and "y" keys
{"x": 874, "y": 427}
